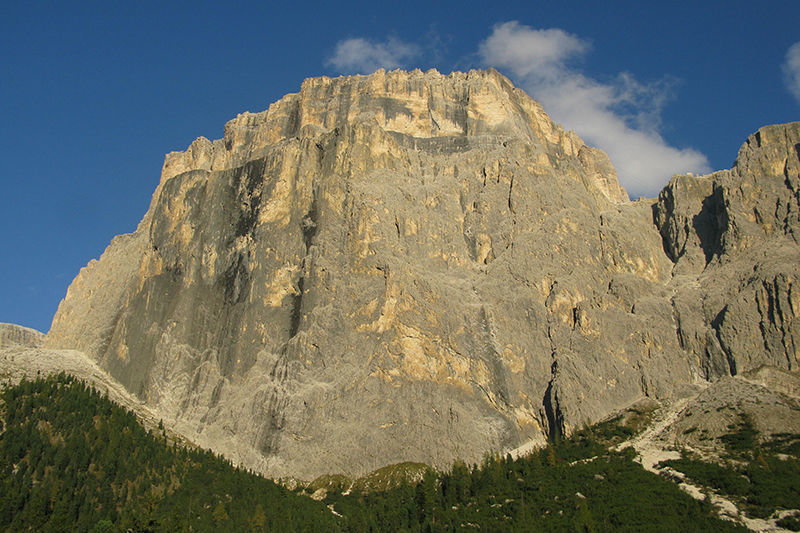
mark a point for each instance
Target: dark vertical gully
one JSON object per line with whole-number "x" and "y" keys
{"x": 552, "y": 411}
{"x": 309, "y": 228}
{"x": 716, "y": 326}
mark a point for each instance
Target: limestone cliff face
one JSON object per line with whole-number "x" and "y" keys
{"x": 734, "y": 236}
{"x": 409, "y": 266}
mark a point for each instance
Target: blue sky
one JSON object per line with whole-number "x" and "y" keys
{"x": 93, "y": 94}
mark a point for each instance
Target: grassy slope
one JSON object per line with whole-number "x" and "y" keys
{"x": 761, "y": 475}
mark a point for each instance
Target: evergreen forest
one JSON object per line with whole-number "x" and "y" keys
{"x": 71, "y": 460}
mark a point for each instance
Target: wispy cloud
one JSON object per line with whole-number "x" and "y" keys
{"x": 623, "y": 117}
{"x": 791, "y": 70}
{"x": 361, "y": 56}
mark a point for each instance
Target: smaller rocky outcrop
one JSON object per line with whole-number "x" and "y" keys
{"x": 733, "y": 236}
{"x": 14, "y": 335}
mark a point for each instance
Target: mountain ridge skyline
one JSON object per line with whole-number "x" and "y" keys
{"x": 161, "y": 74}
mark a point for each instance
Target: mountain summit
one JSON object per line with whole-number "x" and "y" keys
{"x": 412, "y": 266}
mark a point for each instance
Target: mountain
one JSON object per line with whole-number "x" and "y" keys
{"x": 409, "y": 266}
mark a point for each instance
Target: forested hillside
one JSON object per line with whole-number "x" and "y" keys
{"x": 762, "y": 475}
{"x": 574, "y": 485}
{"x": 70, "y": 460}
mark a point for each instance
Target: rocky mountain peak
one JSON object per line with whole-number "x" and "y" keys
{"x": 427, "y": 110}
{"x": 409, "y": 266}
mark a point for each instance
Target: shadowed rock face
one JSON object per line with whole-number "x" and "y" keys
{"x": 408, "y": 266}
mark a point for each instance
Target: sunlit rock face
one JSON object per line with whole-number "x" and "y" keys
{"x": 409, "y": 266}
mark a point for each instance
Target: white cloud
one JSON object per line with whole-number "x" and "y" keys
{"x": 791, "y": 70}
{"x": 621, "y": 117}
{"x": 531, "y": 52}
{"x": 360, "y": 56}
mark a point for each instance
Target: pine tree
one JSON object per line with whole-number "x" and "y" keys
{"x": 258, "y": 522}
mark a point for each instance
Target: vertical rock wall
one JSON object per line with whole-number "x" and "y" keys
{"x": 408, "y": 266}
